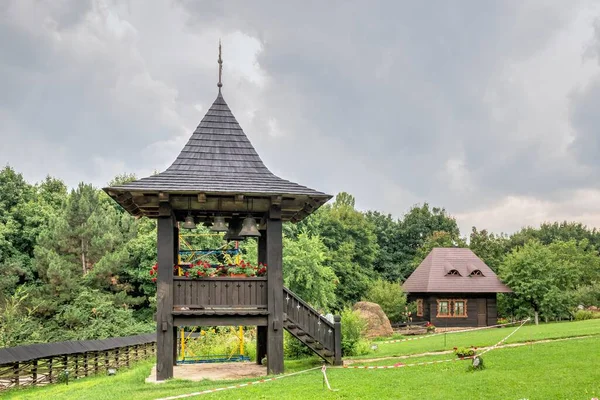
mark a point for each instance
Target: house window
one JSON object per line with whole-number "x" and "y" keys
{"x": 453, "y": 272}
{"x": 476, "y": 273}
{"x": 459, "y": 308}
{"x": 452, "y": 308}
{"x": 443, "y": 308}
{"x": 419, "y": 307}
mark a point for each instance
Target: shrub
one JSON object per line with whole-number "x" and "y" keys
{"x": 353, "y": 333}
{"x": 430, "y": 327}
{"x": 222, "y": 341}
{"x": 390, "y": 297}
{"x": 464, "y": 352}
{"x": 293, "y": 348}
{"x": 581, "y": 315}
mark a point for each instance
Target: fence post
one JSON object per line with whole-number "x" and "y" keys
{"x": 76, "y": 367}
{"x": 337, "y": 340}
{"x": 34, "y": 369}
{"x": 95, "y": 362}
{"x": 50, "y": 361}
{"x": 16, "y": 374}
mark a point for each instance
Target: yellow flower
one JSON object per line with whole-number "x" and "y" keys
{"x": 202, "y": 332}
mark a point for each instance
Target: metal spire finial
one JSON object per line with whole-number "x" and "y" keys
{"x": 220, "y": 85}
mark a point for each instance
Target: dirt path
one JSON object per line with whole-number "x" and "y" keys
{"x": 435, "y": 353}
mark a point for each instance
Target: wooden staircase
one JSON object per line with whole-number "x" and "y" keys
{"x": 311, "y": 328}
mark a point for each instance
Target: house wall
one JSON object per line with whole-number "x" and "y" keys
{"x": 471, "y": 320}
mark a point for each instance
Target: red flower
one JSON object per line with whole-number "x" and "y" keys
{"x": 155, "y": 266}
{"x": 151, "y": 272}
{"x": 187, "y": 274}
{"x": 154, "y": 279}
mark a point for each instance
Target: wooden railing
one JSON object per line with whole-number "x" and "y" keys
{"x": 311, "y": 322}
{"x": 220, "y": 292}
{"x": 55, "y": 366}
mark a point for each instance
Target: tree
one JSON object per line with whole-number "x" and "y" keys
{"x": 489, "y": 247}
{"x": 305, "y": 271}
{"x": 437, "y": 239}
{"x": 351, "y": 247}
{"x": 557, "y": 231}
{"x": 387, "y": 230}
{"x": 389, "y": 296}
{"x": 416, "y": 227}
{"x": 344, "y": 199}
{"x": 542, "y": 277}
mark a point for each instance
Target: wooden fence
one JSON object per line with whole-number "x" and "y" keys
{"x": 18, "y": 369}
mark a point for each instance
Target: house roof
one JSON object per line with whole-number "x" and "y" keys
{"x": 218, "y": 160}
{"x": 433, "y": 274}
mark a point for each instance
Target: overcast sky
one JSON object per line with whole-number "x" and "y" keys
{"x": 489, "y": 109}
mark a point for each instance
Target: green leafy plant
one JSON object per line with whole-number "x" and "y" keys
{"x": 464, "y": 352}
{"x": 201, "y": 269}
{"x": 353, "y": 333}
{"x": 390, "y": 297}
{"x": 581, "y": 315}
{"x": 430, "y": 327}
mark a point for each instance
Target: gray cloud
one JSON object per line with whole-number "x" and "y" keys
{"x": 394, "y": 102}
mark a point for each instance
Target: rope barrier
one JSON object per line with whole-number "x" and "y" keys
{"x": 401, "y": 365}
{"x": 324, "y": 369}
{"x": 503, "y": 340}
{"x": 241, "y": 385}
{"x": 451, "y": 332}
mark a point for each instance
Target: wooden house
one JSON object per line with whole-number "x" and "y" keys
{"x": 454, "y": 288}
{"x": 219, "y": 175}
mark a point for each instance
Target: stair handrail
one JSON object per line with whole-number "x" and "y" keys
{"x": 305, "y": 304}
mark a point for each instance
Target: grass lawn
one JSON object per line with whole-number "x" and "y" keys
{"x": 555, "y": 370}
{"x": 488, "y": 337}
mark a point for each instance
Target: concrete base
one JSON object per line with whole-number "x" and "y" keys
{"x": 215, "y": 371}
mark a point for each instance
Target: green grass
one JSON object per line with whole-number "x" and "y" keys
{"x": 487, "y": 337}
{"x": 554, "y": 370}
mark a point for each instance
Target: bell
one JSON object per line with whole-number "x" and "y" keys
{"x": 189, "y": 222}
{"x": 249, "y": 228}
{"x": 219, "y": 225}
{"x": 233, "y": 233}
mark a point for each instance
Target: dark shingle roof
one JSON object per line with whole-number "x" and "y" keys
{"x": 219, "y": 158}
{"x": 432, "y": 274}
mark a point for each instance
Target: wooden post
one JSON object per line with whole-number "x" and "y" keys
{"x": 95, "y": 362}
{"x": 274, "y": 248}
{"x": 164, "y": 293}
{"x": 136, "y": 352}
{"x": 50, "y": 369}
{"x": 337, "y": 340}
{"x": 127, "y": 361}
{"x": 175, "y": 345}
{"x": 16, "y": 374}
{"x": 76, "y": 367}
{"x": 261, "y": 331}
{"x": 34, "y": 371}
{"x": 106, "y": 360}
{"x": 85, "y": 364}
{"x": 117, "y": 358}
